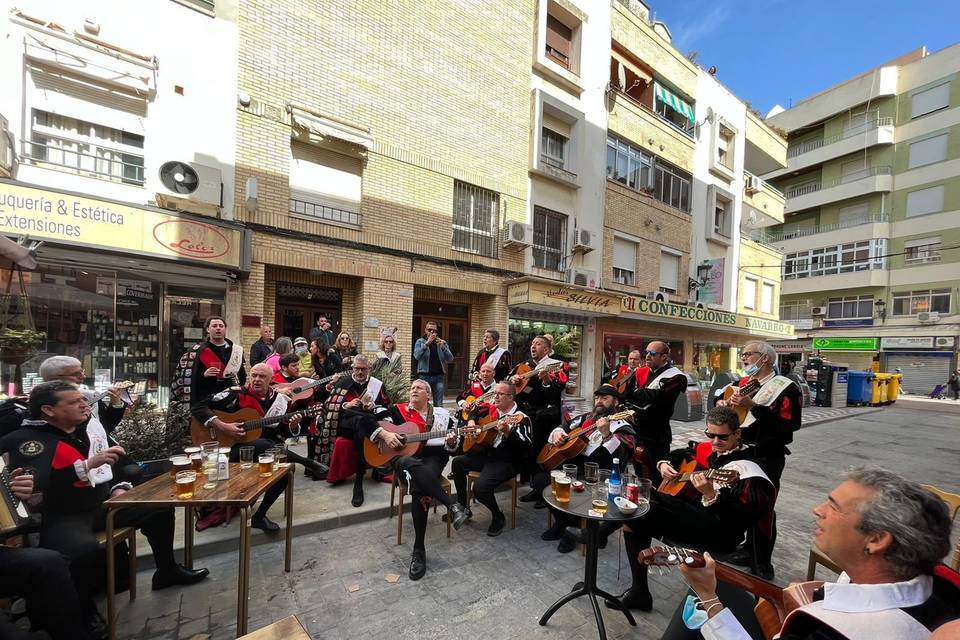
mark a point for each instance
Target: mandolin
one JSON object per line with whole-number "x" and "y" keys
{"x": 748, "y": 390}
{"x": 774, "y": 602}
{"x": 485, "y": 434}
{"x": 576, "y": 443}
{"x": 252, "y": 423}
{"x": 13, "y": 512}
{"x": 302, "y": 388}
{"x": 683, "y": 488}
{"x": 525, "y": 372}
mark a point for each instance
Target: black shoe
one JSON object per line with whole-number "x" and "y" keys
{"x": 496, "y": 527}
{"x": 579, "y": 536}
{"x": 357, "y": 495}
{"x": 316, "y": 470}
{"x": 445, "y": 517}
{"x": 178, "y": 576}
{"x": 553, "y": 533}
{"x": 459, "y": 515}
{"x": 567, "y": 543}
{"x": 264, "y": 523}
{"x": 539, "y": 504}
{"x": 418, "y": 564}
{"x": 634, "y": 599}
{"x": 765, "y": 571}
{"x": 530, "y": 497}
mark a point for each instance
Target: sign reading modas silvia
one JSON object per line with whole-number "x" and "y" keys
{"x": 82, "y": 220}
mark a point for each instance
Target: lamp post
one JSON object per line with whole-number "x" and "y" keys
{"x": 881, "y": 306}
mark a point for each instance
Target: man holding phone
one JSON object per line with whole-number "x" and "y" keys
{"x": 433, "y": 354}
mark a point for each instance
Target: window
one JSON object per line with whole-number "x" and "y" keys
{"x": 930, "y": 100}
{"x": 476, "y": 219}
{"x": 86, "y": 148}
{"x": 549, "y": 239}
{"x": 559, "y": 41}
{"x": 922, "y": 251}
{"x": 721, "y": 218}
{"x": 854, "y": 214}
{"x": 725, "y": 146}
{"x": 766, "y": 298}
{"x": 924, "y": 201}
{"x": 928, "y": 151}
{"x": 845, "y": 258}
{"x": 795, "y": 310}
{"x": 629, "y": 165}
{"x": 853, "y": 170}
{"x": 325, "y": 185}
{"x": 850, "y": 307}
{"x": 624, "y": 261}
{"x": 672, "y": 186}
{"x": 908, "y": 303}
{"x": 552, "y": 148}
{"x": 669, "y": 272}
{"x": 750, "y": 293}
{"x": 859, "y": 122}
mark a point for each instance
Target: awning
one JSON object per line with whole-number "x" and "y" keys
{"x": 318, "y": 127}
{"x": 631, "y": 66}
{"x": 678, "y": 104}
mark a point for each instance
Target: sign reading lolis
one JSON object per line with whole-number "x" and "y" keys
{"x": 846, "y": 344}
{"x": 82, "y": 220}
{"x": 671, "y": 311}
{"x": 563, "y": 297}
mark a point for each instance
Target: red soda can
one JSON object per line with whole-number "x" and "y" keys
{"x": 632, "y": 492}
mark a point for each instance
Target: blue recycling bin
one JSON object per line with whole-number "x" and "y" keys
{"x": 859, "y": 387}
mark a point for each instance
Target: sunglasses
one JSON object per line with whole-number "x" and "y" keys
{"x": 653, "y": 353}
{"x": 718, "y": 436}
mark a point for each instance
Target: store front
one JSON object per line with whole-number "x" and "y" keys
{"x": 123, "y": 289}
{"x": 711, "y": 358}
{"x": 924, "y": 362}
{"x": 791, "y": 353}
{"x": 857, "y": 353}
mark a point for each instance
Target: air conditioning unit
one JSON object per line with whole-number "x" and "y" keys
{"x": 928, "y": 316}
{"x": 753, "y": 184}
{"x": 657, "y": 296}
{"x": 583, "y": 240}
{"x": 583, "y": 277}
{"x": 6, "y": 149}
{"x": 190, "y": 187}
{"x": 818, "y": 311}
{"x": 518, "y": 234}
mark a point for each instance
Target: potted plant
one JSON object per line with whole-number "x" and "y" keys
{"x": 18, "y": 345}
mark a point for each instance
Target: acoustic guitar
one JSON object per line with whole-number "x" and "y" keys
{"x": 526, "y": 372}
{"x": 748, "y": 390}
{"x": 552, "y": 455}
{"x": 471, "y": 402}
{"x": 302, "y": 388}
{"x": 485, "y": 433}
{"x": 620, "y": 382}
{"x": 251, "y": 422}
{"x": 683, "y": 488}
{"x": 774, "y": 602}
{"x": 378, "y": 454}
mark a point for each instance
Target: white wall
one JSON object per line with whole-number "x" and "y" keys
{"x": 195, "y": 51}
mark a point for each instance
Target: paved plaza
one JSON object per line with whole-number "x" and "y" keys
{"x": 481, "y": 587}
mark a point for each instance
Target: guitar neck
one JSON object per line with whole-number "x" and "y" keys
{"x": 427, "y": 435}
{"x": 757, "y": 586}
{"x": 266, "y": 422}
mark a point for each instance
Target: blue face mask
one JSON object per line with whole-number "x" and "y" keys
{"x": 753, "y": 369}
{"x": 301, "y": 349}
{"x": 693, "y": 616}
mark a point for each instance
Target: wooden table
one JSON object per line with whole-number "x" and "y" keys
{"x": 240, "y": 491}
{"x": 290, "y": 628}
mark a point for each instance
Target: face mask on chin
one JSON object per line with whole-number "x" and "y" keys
{"x": 301, "y": 350}
{"x": 693, "y": 616}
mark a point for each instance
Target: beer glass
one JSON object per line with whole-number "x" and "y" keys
{"x": 179, "y": 463}
{"x": 563, "y": 489}
{"x": 281, "y": 455}
{"x": 571, "y": 471}
{"x": 196, "y": 459}
{"x": 599, "y": 499}
{"x": 246, "y": 457}
{"x": 185, "y": 481}
{"x": 556, "y": 473}
{"x": 266, "y": 465}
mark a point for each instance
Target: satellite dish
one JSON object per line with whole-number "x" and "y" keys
{"x": 753, "y": 219}
{"x": 621, "y": 75}
{"x": 179, "y": 177}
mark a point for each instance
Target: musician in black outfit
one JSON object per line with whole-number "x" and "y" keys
{"x": 493, "y": 352}
{"x": 498, "y": 464}
{"x": 72, "y": 503}
{"x": 609, "y": 440}
{"x": 422, "y": 471}
{"x": 212, "y": 369}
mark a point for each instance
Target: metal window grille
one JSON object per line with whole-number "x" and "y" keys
{"x": 476, "y": 219}
{"x": 549, "y": 239}
{"x": 324, "y": 212}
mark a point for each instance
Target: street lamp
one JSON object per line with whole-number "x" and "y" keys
{"x": 881, "y": 307}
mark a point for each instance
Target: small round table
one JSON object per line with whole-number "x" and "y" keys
{"x": 579, "y": 506}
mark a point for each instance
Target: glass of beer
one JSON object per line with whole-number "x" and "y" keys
{"x": 195, "y": 457}
{"x": 556, "y": 473}
{"x": 179, "y": 463}
{"x": 266, "y": 461}
{"x": 246, "y": 457}
{"x": 280, "y": 454}
{"x": 600, "y": 501}
{"x": 185, "y": 481}
{"x": 571, "y": 471}
{"x": 563, "y": 489}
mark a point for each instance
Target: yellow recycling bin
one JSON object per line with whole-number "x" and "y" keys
{"x": 880, "y": 382}
{"x": 893, "y": 387}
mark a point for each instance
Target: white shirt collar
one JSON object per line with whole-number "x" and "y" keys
{"x": 767, "y": 379}
{"x": 845, "y": 596}
{"x": 512, "y": 411}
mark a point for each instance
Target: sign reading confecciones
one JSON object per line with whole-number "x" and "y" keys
{"x": 87, "y": 221}
{"x": 670, "y": 311}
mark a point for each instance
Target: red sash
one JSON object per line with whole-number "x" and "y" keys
{"x": 412, "y": 415}
{"x": 642, "y": 374}
{"x": 247, "y": 400}
{"x": 210, "y": 359}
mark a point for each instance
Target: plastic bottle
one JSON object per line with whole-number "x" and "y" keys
{"x": 614, "y": 484}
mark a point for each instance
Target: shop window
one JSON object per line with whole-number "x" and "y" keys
{"x": 709, "y": 359}
{"x": 617, "y": 347}
{"x": 85, "y": 148}
{"x": 567, "y": 338}
{"x": 909, "y": 303}
{"x": 476, "y": 219}
{"x": 624, "y": 261}
{"x": 850, "y": 307}
{"x": 549, "y": 239}
{"x": 325, "y": 185}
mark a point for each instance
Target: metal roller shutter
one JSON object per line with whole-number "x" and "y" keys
{"x": 855, "y": 360}
{"x": 922, "y": 371}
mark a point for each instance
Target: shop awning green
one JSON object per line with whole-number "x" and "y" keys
{"x": 679, "y": 104}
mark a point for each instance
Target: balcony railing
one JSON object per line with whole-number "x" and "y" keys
{"x": 801, "y": 232}
{"x": 803, "y": 189}
{"x": 103, "y": 167}
{"x": 812, "y": 145}
{"x": 859, "y": 175}
{"x": 323, "y": 212}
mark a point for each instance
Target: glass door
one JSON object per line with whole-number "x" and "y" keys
{"x": 184, "y": 317}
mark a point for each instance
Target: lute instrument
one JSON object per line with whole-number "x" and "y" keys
{"x": 774, "y": 602}
{"x": 485, "y": 433}
{"x": 683, "y": 488}
{"x": 525, "y": 372}
{"x": 302, "y": 388}
{"x": 251, "y": 422}
{"x": 552, "y": 455}
{"x": 93, "y": 397}
{"x": 748, "y": 390}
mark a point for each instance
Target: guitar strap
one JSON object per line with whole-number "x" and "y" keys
{"x": 767, "y": 395}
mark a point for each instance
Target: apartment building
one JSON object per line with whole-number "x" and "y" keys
{"x": 117, "y": 153}
{"x": 871, "y": 265}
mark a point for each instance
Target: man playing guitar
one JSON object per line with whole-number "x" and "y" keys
{"x": 500, "y": 463}
{"x": 624, "y": 374}
{"x": 290, "y": 372}
{"x": 610, "y": 440}
{"x": 476, "y": 388}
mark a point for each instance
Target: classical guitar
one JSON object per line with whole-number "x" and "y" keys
{"x": 526, "y": 372}
{"x": 13, "y": 512}
{"x": 576, "y": 443}
{"x": 620, "y": 382}
{"x": 471, "y": 402}
{"x": 302, "y": 388}
{"x": 378, "y": 454}
{"x": 748, "y": 390}
{"x": 683, "y": 488}
{"x": 774, "y": 602}
{"x": 251, "y": 422}
{"x": 485, "y": 433}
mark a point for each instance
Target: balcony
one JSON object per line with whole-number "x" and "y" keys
{"x": 766, "y": 203}
{"x": 876, "y": 276}
{"x": 638, "y": 124}
{"x": 813, "y": 152}
{"x": 817, "y": 194}
{"x": 872, "y": 225}
{"x": 764, "y": 150}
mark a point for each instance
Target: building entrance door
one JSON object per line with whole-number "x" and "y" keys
{"x": 299, "y": 307}
{"x": 455, "y": 332}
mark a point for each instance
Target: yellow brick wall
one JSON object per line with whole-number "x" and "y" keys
{"x": 637, "y": 37}
{"x": 642, "y": 128}
{"x": 763, "y": 263}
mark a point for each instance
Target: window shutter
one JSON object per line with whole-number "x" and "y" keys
{"x": 624, "y": 254}
{"x": 925, "y": 201}
{"x": 928, "y": 151}
{"x": 559, "y": 36}
{"x": 669, "y": 271}
{"x": 930, "y": 100}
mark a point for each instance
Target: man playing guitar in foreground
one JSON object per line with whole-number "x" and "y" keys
{"x": 888, "y": 534}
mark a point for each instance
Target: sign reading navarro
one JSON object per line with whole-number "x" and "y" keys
{"x": 669, "y": 310}
{"x": 191, "y": 239}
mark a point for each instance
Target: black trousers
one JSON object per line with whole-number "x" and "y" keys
{"x": 423, "y": 474}
{"x": 42, "y": 578}
{"x": 740, "y": 603}
{"x": 493, "y": 473}
{"x": 261, "y": 445}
